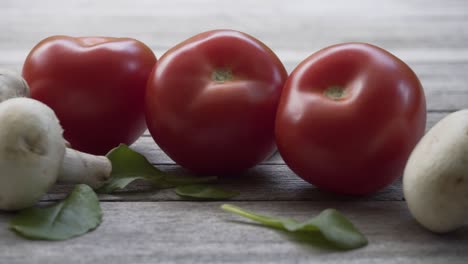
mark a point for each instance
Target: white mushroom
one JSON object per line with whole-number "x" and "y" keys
{"x": 33, "y": 155}
{"x": 435, "y": 180}
{"x": 12, "y": 85}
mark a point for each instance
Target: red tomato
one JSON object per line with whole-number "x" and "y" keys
{"x": 349, "y": 117}
{"x": 95, "y": 85}
{"x": 211, "y": 101}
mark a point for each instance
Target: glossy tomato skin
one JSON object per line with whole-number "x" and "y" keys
{"x": 357, "y": 140}
{"x": 95, "y": 85}
{"x": 211, "y": 102}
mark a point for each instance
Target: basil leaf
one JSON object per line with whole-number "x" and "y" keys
{"x": 204, "y": 192}
{"x": 335, "y": 228}
{"x": 330, "y": 224}
{"x": 77, "y": 214}
{"x": 117, "y": 184}
{"x": 275, "y": 222}
{"x": 128, "y": 166}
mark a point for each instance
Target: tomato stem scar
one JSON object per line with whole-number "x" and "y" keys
{"x": 221, "y": 75}
{"x": 335, "y": 92}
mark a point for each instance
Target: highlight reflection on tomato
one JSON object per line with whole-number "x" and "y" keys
{"x": 212, "y": 99}
{"x": 349, "y": 117}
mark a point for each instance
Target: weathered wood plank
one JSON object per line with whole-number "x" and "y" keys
{"x": 434, "y": 32}
{"x": 261, "y": 183}
{"x": 412, "y": 24}
{"x": 174, "y": 232}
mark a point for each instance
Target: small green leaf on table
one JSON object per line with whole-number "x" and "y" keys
{"x": 128, "y": 166}
{"x": 204, "y": 192}
{"x": 330, "y": 224}
{"x": 76, "y": 215}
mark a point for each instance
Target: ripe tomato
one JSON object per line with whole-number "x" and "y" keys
{"x": 348, "y": 118}
{"x": 211, "y": 101}
{"x": 95, "y": 85}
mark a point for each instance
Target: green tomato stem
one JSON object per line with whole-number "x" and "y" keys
{"x": 335, "y": 93}
{"x": 221, "y": 75}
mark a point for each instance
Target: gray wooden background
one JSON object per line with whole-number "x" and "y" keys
{"x": 144, "y": 225}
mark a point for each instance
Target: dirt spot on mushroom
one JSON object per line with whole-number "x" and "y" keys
{"x": 103, "y": 177}
{"x": 26, "y": 145}
{"x": 36, "y": 143}
{"x": 14, "y": 152}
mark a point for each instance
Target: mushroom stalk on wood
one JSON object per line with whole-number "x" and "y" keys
{"x": 12, "y": 85}
{"x": 435, "y": 180}
{"x": 33, "y": 155}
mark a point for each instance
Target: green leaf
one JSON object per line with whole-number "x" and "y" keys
{"x": 330, "y": 224}
{"x": 75, "y": 215}
{"x": 204, "y": 192}
{"x": 335, "y": 228}
{"x": 275, "y": 222}
{"x": 128, "y": 166}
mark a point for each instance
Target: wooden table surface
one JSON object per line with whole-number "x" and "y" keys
{"x": 155, "y": 226}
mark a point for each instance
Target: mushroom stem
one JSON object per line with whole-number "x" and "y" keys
{"x": 79, "y": 167}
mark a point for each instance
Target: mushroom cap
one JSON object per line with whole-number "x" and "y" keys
{"x": 435, "y": 180}
{"x": 31, "y": 152}
{"x": 12, "y": 85}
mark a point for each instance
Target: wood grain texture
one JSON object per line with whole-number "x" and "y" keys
{"x": 262, "y": 183}
{"x": 176, "y": 232}
{"x": 298, "y": 25}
